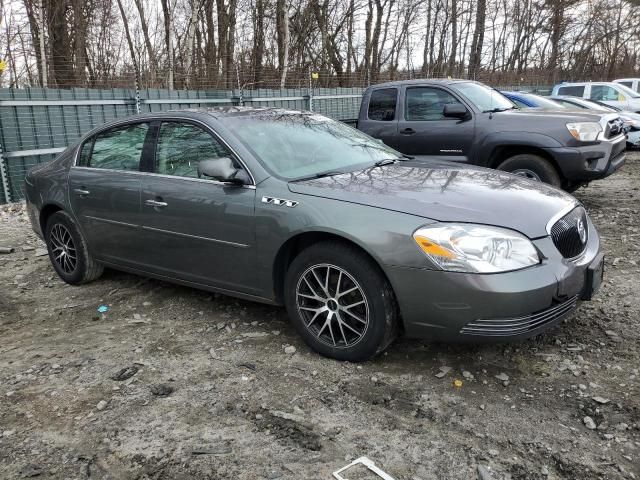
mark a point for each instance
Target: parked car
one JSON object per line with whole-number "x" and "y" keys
{"x": 609, "y": 93}
{"x": 632, "y": 83}
{"x": 293, "y": 208}
{"x": 631, "y": 120}
{"x": 531, "y": 100}
{"x": 468, "y": 122}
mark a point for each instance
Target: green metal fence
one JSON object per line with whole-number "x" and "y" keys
{"x": 37, "y": 124}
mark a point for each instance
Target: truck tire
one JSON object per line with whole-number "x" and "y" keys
{"x": 340, "y": 302}
{"x": 532, "y": 167}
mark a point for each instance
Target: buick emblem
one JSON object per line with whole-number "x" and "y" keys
{"x": 582, "y": 231}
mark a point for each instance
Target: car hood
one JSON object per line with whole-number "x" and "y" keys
{"x": 564, "y": 115}
{"x": 444, "y": 191}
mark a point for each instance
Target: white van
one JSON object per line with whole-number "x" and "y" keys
{"x": 614, "y": 94}
{"x": 632, "y": 83}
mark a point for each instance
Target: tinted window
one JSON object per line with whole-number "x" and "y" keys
{"x": 119, "y": 148}
{"x": 427, "y": 103}
{"x": 382, "y": 104}
{"x": 85, "y": 153}
{"x": 605, "y": 93}
{"x": 181, "y": 146}
{"x": 626, "y": 84}
{"x": 576, "y": 91}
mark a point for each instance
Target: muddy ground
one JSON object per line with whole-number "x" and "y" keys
{"x": 216, "y": 396}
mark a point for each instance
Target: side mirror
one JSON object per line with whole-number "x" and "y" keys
{"x": 223, "y": 170}
{"x": 455, "y": 110}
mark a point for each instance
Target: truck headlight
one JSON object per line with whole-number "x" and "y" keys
{"x": 585, "y": 131}
{"x": 462, "y": 247}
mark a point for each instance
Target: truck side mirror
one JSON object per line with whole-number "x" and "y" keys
{"x": 455, "y": 110}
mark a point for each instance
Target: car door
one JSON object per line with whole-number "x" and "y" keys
{"x": 104, "y": 191}
{"x": 424, "y": 130}
{"x": 381, "y": 121}
{"x": 196, "y": 229}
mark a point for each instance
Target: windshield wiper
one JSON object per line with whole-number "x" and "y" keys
{"x": 385, "y": 161}
{"x": 496, "y": 110}
{"x": 329, "y": 173}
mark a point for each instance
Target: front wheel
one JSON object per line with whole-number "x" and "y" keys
{"x": 532, "y": 167}
{"x": 68, "y": 250}
{"x": 340, "y": 302}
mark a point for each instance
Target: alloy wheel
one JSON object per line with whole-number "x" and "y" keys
{"x": 63, "y": 250}
{"x": 332, "y": 305}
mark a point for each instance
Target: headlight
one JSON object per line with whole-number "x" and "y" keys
{"x": 476, "y": 248}
{"x": 584, "y": 131}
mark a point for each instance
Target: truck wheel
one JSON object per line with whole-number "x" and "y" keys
{"x": 340, "y": 302}
{"x": 68, "y": 250}
{"x": 532, "y": 167}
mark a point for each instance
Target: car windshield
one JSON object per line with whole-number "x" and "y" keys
{"x": 295, "y": 145}
{"x": 545, "y": 103}
{"x": 595, "y": 105}
{"x": 628, "y": 91}
{"x": 484, "y": 98}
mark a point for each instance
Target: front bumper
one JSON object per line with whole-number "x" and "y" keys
{"x": 590, "y": 162}
{"x": 449, "y": 306}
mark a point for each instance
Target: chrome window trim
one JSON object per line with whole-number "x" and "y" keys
{"x": 174, "y": 177}
{"x": 167, "y": 119}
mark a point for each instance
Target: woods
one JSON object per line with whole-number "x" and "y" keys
{"x": 277, "y": 43}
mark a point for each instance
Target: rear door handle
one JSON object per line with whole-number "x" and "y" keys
{"x": 407, "y": 131}
{"x": 81, "y": 192}
{"x": 155, "y": 203}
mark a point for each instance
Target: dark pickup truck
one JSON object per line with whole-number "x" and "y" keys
{"x": 466, "y": 121}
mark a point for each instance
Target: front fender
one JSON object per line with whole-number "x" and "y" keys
{"x": 504, "y": 139}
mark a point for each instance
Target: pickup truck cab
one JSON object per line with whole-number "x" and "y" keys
{"x": 468, "y": 122}
{"x": 610, "y": 93}
{"x": 632, "y": 83}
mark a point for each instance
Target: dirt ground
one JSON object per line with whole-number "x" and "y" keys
{"x": 215, "y": 395}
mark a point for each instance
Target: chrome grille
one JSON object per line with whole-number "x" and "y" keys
{"x": 614, "y": 128}
{"x": 570, "y": 233}
{"x": 503, "y": 327}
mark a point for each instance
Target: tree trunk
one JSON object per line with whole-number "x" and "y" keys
{"x": 282, "y": 29}
{"x": 132, "y": 50}
{"x": 153, "y": 63}
{"x": 168, "y": 35}
{"x": 454, "y": 36}
{"x": 478, "y": 39}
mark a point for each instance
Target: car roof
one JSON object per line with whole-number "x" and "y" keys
{"x": 421, "y": 81}
{"x": 631, "y": 79}
{"x": 568, "y": 84}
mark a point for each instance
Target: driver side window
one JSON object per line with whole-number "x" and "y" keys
{"x": 427, "y": 103}
{"x": 181, "y": 146}
{"x": 116, "y": 149}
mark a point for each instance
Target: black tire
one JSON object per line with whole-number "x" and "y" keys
{"x": 350, "y": 267}
{"x": 537, "y": 167}
{"x": 85, "y": 268}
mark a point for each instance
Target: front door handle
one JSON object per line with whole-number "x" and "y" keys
{"x": 407, "y": 131}
{"x": 81, "y": 192}
{"x": 155, "y": 203}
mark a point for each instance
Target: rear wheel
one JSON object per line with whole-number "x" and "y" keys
{"x": 68, "y": 250}
{"x": 340, "y": 302}
{"x": 532, "y": 167}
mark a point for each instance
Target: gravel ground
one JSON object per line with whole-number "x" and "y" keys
{"x": 175, "y": 383}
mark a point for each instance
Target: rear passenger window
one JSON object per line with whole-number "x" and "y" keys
{"x": 382, "y": 104}
{"x": 181, "y": 146}
{"x": 85, "y": 153}
{"x": 576, "y": 91}
{"x": 627, "y": 84}
{"x": 119, "y": 148}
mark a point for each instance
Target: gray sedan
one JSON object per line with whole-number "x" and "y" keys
{"x": 292, "y": 208}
